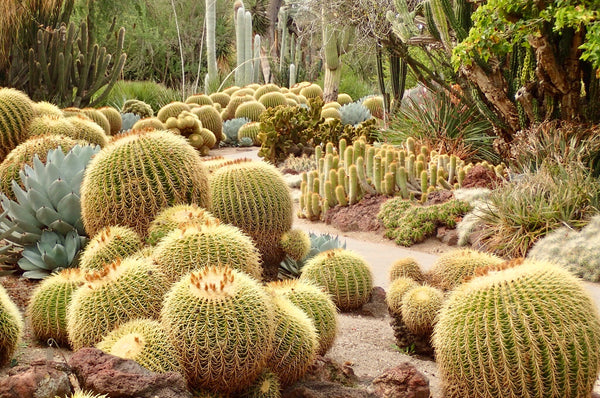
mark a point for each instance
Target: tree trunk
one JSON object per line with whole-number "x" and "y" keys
{"x": 272, "y": 12}
{"x": 331, "y": 84}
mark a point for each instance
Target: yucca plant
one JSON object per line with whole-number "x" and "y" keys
{"x": 441, "y": 122}
{"x": 290, "y": 268}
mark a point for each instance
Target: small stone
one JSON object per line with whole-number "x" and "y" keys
{"x": 376, "y": 307}
{"x": 402, "y": 381}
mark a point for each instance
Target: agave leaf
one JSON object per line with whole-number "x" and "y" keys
{"x": 69, "y": 208}
{"x": 19, "y": 193}
{"x": 73, "y": 244}
{"x": 31, "y": 259}
{"x": 21, "y": 215}
{"x": 25, "y": 238}
{"x": 61, "y": 227}
{"x": 76, "y": 180}
{"x": 49, "y": 174}
{"x": 35, "y": 274}
{"x": 55, "y": 257}
{"x": 57, "y": 190}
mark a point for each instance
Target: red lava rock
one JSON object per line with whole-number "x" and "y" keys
{"x": 402, "y": 381}
{"x": 361, "y": 216}
{"x": 437, "y": 197}
{"x": 122, "y": 378}
{"x": 40, "y": 379}
{"x": 481, "y": 177}
{"x": 376, "y": 307}
{"x": 447, "y": 236}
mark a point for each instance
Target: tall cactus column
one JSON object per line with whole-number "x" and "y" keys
{"x": 335, "y": 43}
{"x": 211, "y": 56}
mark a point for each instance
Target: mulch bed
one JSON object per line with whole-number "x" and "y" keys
{"x": 359, "y": 217}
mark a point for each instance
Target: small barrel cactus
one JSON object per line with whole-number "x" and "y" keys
{"x": 265, "y": 386}
{"x": 16, "y": 112}
{"x": 114, "y": 118}
{"x": 420, "y": 306}
{"x": 345, "y": 275}
{"x": 50, "y": 124}
{"x": 97, "y": 117}
{"x": 527, "y": 331}
{"x": 175, "y": 217}
{"x": 396, "y": 291}
{"x": 87, "y": 130}
{"x": 148, "y": 123}
{"x": 11, "y": 327}
{"x": 266, "y": 88}
{"x": 107, "y": 245}
{"x": 296, "y": 244}
{"x": 312, "y": 91}
{"x": 48, "y": 305}
{"x": 121, "y": 187}
{"x": 211, "y": 120}
{"x": 251, "y": 110}
{"x": 145, "y": 342}
{"x": 44, "y": 108}
{"x": 172, "y": 109}
{"x": 250, "y": 130}
{"x": 451, "y": 268}
{"x": 344, "y": 99}
{"x": 220, "y": 98}
{"x": 199, "y": 99}
{"x": 272, "y": 99}
{"x": 229, "y": 354}
{"x": 137, "y": 107}
{"x": 406, "y": 267}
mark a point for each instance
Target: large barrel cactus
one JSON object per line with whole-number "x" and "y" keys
{"x": 174, "y": 217}
{"x": 16, "y": 112}
{"x": 254, "y": 197}
{"x": 109, "y": 244}
{"x": 11, "y": 327}
{"x": 527, "y": 331}
{"x": 130, "y": 181}
{"x": 452, "y": 268}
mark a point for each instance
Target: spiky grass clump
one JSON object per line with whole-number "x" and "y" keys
{"x": 406, "y": 267}
{"x": 399, "y": 287}
{"x": 11, "y": 327}
{"x": 420, "y": 306}
{"x": 296, "y": 244}
{"x": 124, "y": 290}
{"x": 343, "y": 274}
{"x": 316, "y": 304}
{"x": 145, "y": 342}
{"x": 295, "y": 343}
{"x": 527, "y": 331}
{"x": 452, "y": 268}
{"x": 16, "y": 112}
{"x": 222, "y": 323}
{"x": 107, "y": 245}
{"x": 47, "y": 308}
{"x": 265, "y": 386}
{"x": 175, "y": 217}
{"x": 120, "y": 187}
{"x": 234, "y": 192}
{"x": 196, "y": 246}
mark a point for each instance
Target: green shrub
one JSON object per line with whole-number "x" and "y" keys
{"x": 154, "y": 94}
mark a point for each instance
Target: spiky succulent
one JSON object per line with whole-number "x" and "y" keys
{"x": 114, "y": 118}
{"x": 290, "y": 268}
{"x": 16, "y": 112}
{"x": 420, "y": 306}
{"x": 172, "y": 109}
{"x": 354, "y": 113}
{"x": 128, "y": 120}
{"x": 265, "y": 386}
{"x": 137, "y": 107}
{"x": 11, "y": 327}
{"x": 406, "y": 267}
{"x": 527, "y": 331}
{"x": 272, "y": 99}
{"x": 98, "y": 117}
{"x": 175, "y": 217}
{"x": 120, "y": 189}
{"x": 396, "y": 292}
{"x": 296, "y": 244}
{"x": 87, "y": 130}
{"x": 107, "y": 245}
{"x": 148, "y": 123}
{"x": 46, "y": 217}
{"x": 199, "y": 99}
{"x": 344, "y": 99}
{"x": 451, "y": 268}
{"x": 211, "y": 120}
{"x": 345, "y": 275}
{"x": 220, "y": 98}
{"x": 311, "y": 91}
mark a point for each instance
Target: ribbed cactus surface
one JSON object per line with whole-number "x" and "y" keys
{"x": 16, "y": 112}
{"x": 265, "y": 386}
{"x": 406, "y": 267}
{"x": 451, "y": 268}
{"x": 11, "y": 327}
{"x": 175, "y": 217}
{"x": 129, "y": 182}
{"x": 527, "y": 331}
{"x": 110, "y": 243}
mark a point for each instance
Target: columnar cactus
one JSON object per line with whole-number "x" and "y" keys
{"x": 527, "y": 331}
{"x": 345, "y": 275}
{"x": 16, "y": 112}
{"x": 223, "y": 327}
{"x": 254, "y": 197}
{"x": 124, "y": 186}
{"x": 11, "y": 327}
{"x": 109, "y": 244}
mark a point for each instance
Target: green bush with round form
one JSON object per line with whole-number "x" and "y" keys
{"x": 266, "y": 88}
{"x": 317, "y": 304}
{"x": 330, "y": 112}
{"x": 110, "y": 243}
{"x": 130, "y": 181}
{"x": 98, "y": 117}
{"x": 296, "y": 244}
{"x": 343, "y": 274}
{"x": 265, "y": 386}
{"x": 114, "y": 118}
{"x": 221, "y": 98}
{"x": 50, "y": 124}
{"x": 312, "y": 91}
{"x": 527, "y": 331}
{"x": 196, "y": 246}
{"x": 45, "y": 108}
{"x": 222, "y": 325}
{"x": 344, "y": 99}
{"x": 145, "y": 342}
{"x": 210, "y": 119}
{"x": 172, "y": 109}
{"x": 132, "y": 288}
{"x": 16, "y": 112}
{"x": 11, "y": 327}
{"x": 375, "y": 105}
{"x": 420, "y": 306}
{"x": 199, "y": 99}
{"x": 47, "y": 308}
{"x": 295, "y": 343}
{"x": 406, "y": 267}
{"x": 396, "y": 291}
{"x": 254, "y": 197}
{"x": 175, "y": 217}
{"x": 149, "y": 123}
{"x": 273, "y": 99}
{"x": 451, "y": 268}
{"x": 25, "y": 153}
{"x": 87, "y": 130}
{"x": 137, "y": 107}
{"x": 251, "y": 110}
{"x": 229, "y": 112}
{"x": 250, "y": 130}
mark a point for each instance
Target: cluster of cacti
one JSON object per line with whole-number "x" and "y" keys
{"x": 234, "y": 190}
{"x": 110, "y": 243}
{"x": 454, "y": 267}
{"x": 11, "y": 325}
{"x": 124, "y": 290}
{"x": 188, "y": 125}
{"x": 47, "y": 308}
{"x": 343, "y": 274}
{"x": 137, "y": 107}
{"x": 120, "y": 189}
{"x": 199, "y": 245}
{"x": 292, "y": 268}
{"x": 148, "y": 123}
{"x": 97, "y": 117}
{"x": 577, "y": 251}
{"x": 299, "y": 163}
{"x": 46, "y": 219}
{"x": 87, "y": 130}
{"x": 527, "y": 331}
{"x": 175, "y": 217}
{"x": 408, "y": 223}
{"x": 211, "y": 120}
{"x": 144, "y": 341}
